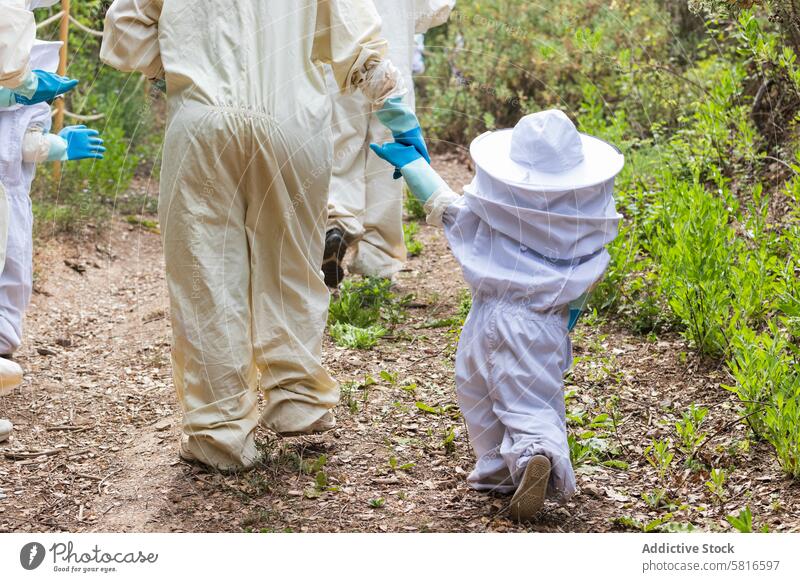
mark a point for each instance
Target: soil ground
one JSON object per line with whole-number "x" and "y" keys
{"x": 97, "y": 422}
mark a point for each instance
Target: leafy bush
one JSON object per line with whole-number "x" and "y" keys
{"x": 767, "y": 375}
{"x": 357, "y": 315}
{"x": 89, "y": 192}
{"x": 499, "y": 59}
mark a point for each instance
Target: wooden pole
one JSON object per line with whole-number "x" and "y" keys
{"x": 58, "y": 122}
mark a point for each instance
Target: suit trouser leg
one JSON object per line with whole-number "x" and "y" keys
{"x": 287, "y": 196}
{"x": 202, "y": 209}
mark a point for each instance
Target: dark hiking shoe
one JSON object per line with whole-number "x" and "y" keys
{"x": 335, "y": 249}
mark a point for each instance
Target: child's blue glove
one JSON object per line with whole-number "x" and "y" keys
{"x": 81, "y": 144}
{"x": 422, "y": 180}
{"x": 576, "y": 309}
{"x": 43, "y": 87}
{"x": 402, "y": 122}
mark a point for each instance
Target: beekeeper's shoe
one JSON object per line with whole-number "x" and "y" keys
{"x": 5, "y": 429}
{"x": 325, "y": 423}
{"x": 332, "y": 259}
{"x": 186, "y": 454}
{"x": 10, "y": 375}
{"x": 529, "y": 497}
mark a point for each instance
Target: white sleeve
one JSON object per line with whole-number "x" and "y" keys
{"x": 348, "y": 38}
{"x": 432, "y": 13}
{"x": 437, "y": 204}
{"x": 130, "y": 37}
{"x": 35, "y": 146}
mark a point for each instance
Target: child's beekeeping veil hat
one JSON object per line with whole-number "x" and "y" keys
{"x": 547, "y": 186}
{"x": 545, "y": 152}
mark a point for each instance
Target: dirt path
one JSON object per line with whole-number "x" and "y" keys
{"x": 97, "y": 422}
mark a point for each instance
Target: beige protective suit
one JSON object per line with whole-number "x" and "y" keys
{"x": 17, "y": 33}
{"x": 365, "y": 202}
{"x": 246, "y": 169}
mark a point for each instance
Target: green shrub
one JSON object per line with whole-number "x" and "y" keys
{"x": 90, "y": 192}
{"x": 357, "y": 316}
{"x": 499, "y": 59}
{"x": 762, "y": 365}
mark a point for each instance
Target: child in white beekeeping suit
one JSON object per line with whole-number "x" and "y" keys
{"x": 25, "y": 141}
{"x": 529, "y": 234}
{"x": 23, "y": 85}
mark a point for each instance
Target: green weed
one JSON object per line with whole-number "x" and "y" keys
{"x": 660, "y": 456}
{"x": 413, "y": 246}
{"x": 716, "y": 484}
{"x": 360, "y": 338}
{"x": 743, "y": 522}
{"x": 414, "y": 208}
{"x": 688, "y": 428}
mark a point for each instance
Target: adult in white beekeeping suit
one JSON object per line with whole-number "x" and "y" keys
{"x": 530, "y": 234}
{"x": 244, "y": 190}
{"x": 365, "y": 205}
{"x": 22, "y": 83}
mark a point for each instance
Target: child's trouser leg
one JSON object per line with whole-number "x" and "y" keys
{"x": 510, "y": 370}
{"x": 485, "y": 430}
{"x": 16, "y": 281}
{"x": 531, "y": 353}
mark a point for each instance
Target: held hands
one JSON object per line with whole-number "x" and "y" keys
{"x": 408, "y": 153}
{"x": 396, "y": 153}
{"x": 422, "y": 180}
{"x": 43, "y": 87}
{"x": 82, "y": 143}
{"x": 401, "y": 120}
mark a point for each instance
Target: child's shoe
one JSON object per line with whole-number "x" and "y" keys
{"x": 530, "y": 495}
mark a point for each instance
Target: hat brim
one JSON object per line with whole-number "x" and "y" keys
{"x": 492, "y": 153}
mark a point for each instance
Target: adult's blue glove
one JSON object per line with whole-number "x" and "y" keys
{"x": 82, "y": 143}
{"x": 422, "y": 180}
{"x": 43, "y": 87}
{"x": 401, "y": 120}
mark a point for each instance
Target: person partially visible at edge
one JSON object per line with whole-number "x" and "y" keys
{"x": 25, "y": 90}
{"x": 530, "y": 233}
{"x": 243, "y": 203}
{"x": 365, "y": 204}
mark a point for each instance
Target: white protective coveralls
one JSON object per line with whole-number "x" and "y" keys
{"x": 244, "y": 189}
{"x": 23, "y": 142}
{"x": 526, "y": 254}
{"x": 17, "y": 33}
{"x": 365, "y": 202}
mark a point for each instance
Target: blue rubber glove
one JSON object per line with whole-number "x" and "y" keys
{"x": 422, "y": 180}
{"x": 43, "y": 88}
{"x": 82, "y": 143}
{"x": 576, "y": 309}
{"x": 401, "y": 120}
